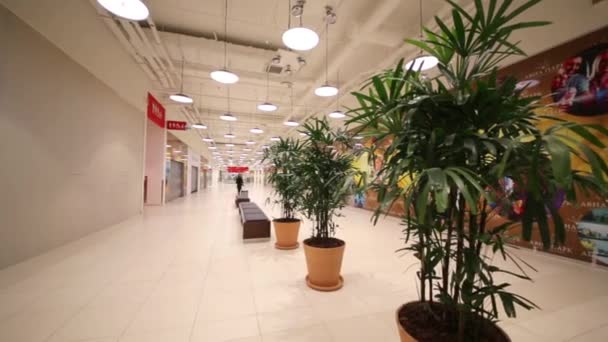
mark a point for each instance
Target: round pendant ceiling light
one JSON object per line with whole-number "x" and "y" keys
{"x": 267, "y": 106}
{"x": 337, "y": 114}
{"x": 229, "y": 136}
{"x": 228, "y": 117}
{"x": 422, "y": 62}
{"x": 275, "y": 139}
{"x": 256, "y": 130}
{"x": 326, "y": 89}
{"x": 127, "y": 9}
{"x": 230, "y": 145}
{"x": 291, "y": 123}
{"x": 199, "y": 126}
{"x": 207, "y": 139}
{"x": 212, "y": 148}
{"x": 224, "y": 75}
{"x": 250, "y": 142}
{"x": 300, "y": 38}
{"x": 303, "y": 134}
{"x": 358, "y": 137}
{"x": 181, "y": 97}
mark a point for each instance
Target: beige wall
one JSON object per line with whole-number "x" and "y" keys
{"x": 70, "y": 148}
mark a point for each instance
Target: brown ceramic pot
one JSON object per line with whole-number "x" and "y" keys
{"x": 286, "y": 233}
{"x": 324, "y": 265}
{"x": 404, "y": 335}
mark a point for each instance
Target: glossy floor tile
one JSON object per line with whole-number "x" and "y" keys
{"x": 182, "y": 273}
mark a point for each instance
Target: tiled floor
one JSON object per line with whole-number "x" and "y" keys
{"x": 182, "y": 273}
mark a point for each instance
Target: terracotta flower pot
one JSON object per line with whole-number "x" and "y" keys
{"x": 496, "y": 333}
{"x": 324, "y": 264}
{"x": 286, "y": 233}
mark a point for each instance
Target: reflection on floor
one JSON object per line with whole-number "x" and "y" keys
{"x": 182, "y": 273}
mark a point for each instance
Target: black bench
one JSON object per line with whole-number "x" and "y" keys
{"x": 241, "y": 197}
{"x": 255, "y": 223}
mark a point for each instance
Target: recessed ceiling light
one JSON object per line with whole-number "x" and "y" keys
{"x": 275, "y": 139}
{"x": 228, "y": 117}
{"x": 128, "y": 9}
{"x": 291, "y": 123}
{"x": 199, "y": 126}
{"x": 256, "y": 130}
{"x": 337, "y": 114}
{"x": 267, "y": 107}
{"x": 229, "y": 136}
{"x": 326, "y": 90}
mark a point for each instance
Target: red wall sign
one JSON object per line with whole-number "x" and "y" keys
{"x": 177, "y": 125}
{"x": 237, "y": 169}
{"x": 156, "y": 111}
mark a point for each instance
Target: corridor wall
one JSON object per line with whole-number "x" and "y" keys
{"x": 71, "y": 150}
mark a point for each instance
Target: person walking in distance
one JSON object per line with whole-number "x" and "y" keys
{"x": 239, "y": 183}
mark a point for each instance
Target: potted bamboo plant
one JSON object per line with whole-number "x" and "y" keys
{"x": 284, "y": 155}
{"x": 448, "y": 145}
{"x": 327, "y": 177}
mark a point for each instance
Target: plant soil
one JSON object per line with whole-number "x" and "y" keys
{"x": 324, "y": 242}
{"x": 286, "y": 220}
{"x": 433, "y": 322}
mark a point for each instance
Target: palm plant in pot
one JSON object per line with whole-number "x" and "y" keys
{"x": 284, "y": 155}
{"x": 327, "y": 175}
{"x": 448, "y": 145}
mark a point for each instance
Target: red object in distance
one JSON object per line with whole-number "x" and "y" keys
{"x": 237, "y": 169}
{"x": 156, "y": 111}
{"x": 177, "y": 125}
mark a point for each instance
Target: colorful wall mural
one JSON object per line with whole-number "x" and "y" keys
{"x": 572, "y": 80}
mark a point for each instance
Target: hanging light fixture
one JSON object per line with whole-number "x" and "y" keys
{"x": 326, "y": 89}
{"x": 299, "y": 38}
{"x": 250, "y": 142}
{"x": 181, "y": 97}
{"x": 224, "y": 75}
{"x": 227, "y": 116}
{"x": 267, "y": 106}
{"x": 337, "y": 114}
{"x": 212, "y": 148}
{"x": 290, "y": 122}
{"x": 230, "y": 145}
{"x": 127, "y": 9}
{"x": 207, "y": 139}
{"x": 422, "y": 62}
{"x": 229, "y": 136}
{"x": 199, "y": 126}
{"x": 256, "y": 130}
{"x": 275, "y": 139}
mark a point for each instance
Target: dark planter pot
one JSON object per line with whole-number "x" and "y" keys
{"x": 496, "y": 334}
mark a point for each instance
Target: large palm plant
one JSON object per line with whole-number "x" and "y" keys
{"x": 284, "y": 155}
{"x": 327, "y": 175}
{"x": 449, "y": 142}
